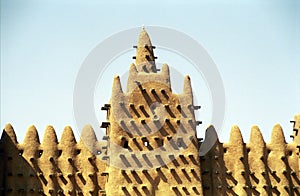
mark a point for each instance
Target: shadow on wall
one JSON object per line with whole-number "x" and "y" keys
{"x": 65, "y": 168}
{"x": 255, "y": 168}
{"x": 17, "y": 175}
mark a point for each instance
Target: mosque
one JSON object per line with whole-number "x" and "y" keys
{"x": 150, "y": 148}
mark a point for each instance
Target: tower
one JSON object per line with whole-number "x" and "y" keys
{"x": 151, "y": 131}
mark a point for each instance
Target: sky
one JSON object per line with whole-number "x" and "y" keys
{"x": 254, "y": 44}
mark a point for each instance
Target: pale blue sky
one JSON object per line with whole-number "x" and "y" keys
{"x": 255, "y": 45}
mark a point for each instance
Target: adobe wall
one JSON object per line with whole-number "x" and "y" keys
{"x": 68, "y": 167}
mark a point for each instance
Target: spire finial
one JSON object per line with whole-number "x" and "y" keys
{"x": 117, "y": 88}
{"x": 187, "y": 87}
{"x": 145, "y": 60}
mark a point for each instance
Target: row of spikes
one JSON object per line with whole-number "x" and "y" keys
{"x": 87, "y": 135}
{"x": 277, "y": 136}
{"x": 256, "y": 137}
{"x": 117, "y": 88}
{"x": 253, "y": 164}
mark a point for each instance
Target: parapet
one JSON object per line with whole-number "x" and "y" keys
{"x": 52, "y": 167}
{"x": 69, "y": 167}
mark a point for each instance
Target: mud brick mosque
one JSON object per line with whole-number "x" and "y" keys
{"x": 150, "y": 148}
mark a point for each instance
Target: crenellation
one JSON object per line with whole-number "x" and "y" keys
{"x": 262, "y": 173}
{"x": 234, "y": 159}
{"x": 30, "y": 145}
{"x": 48, "y": 161}
{"x": 9, "y": 133}
{"x": 256, "y": 156}
{"x": 276, "y": 160}
{"x": 187, "y": 87}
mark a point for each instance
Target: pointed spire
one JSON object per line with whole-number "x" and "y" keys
{"x": 236, "y": 137}
{"x": 132, "y": 69}
{"x": 9, "y": 133}
{"x": 67, "y": 136}
{"x": 116, "y": 88}
{"x": 133, "y": 74}
{"x": 31, "y": 136}
{"x": 50, "y": 136}
{"x": 165, "y": 72}
{"x": 88, "y": 137}
{"x": 165, "y": 69}
{"x": 144, "y": 39}
{"x": 211, "y": 138}
{"x": 145, "y": 59}
{"x": 256, "y": 137}
{"x": 211, "y": 134}
{"x": 187, "y": 87}
{"x": 277, "y": 135}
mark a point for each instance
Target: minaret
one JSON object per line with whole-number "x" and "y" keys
{"x": 145, "y": 59}
{"x": 144, "y": 69}
{"x": 153, "y": 147}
